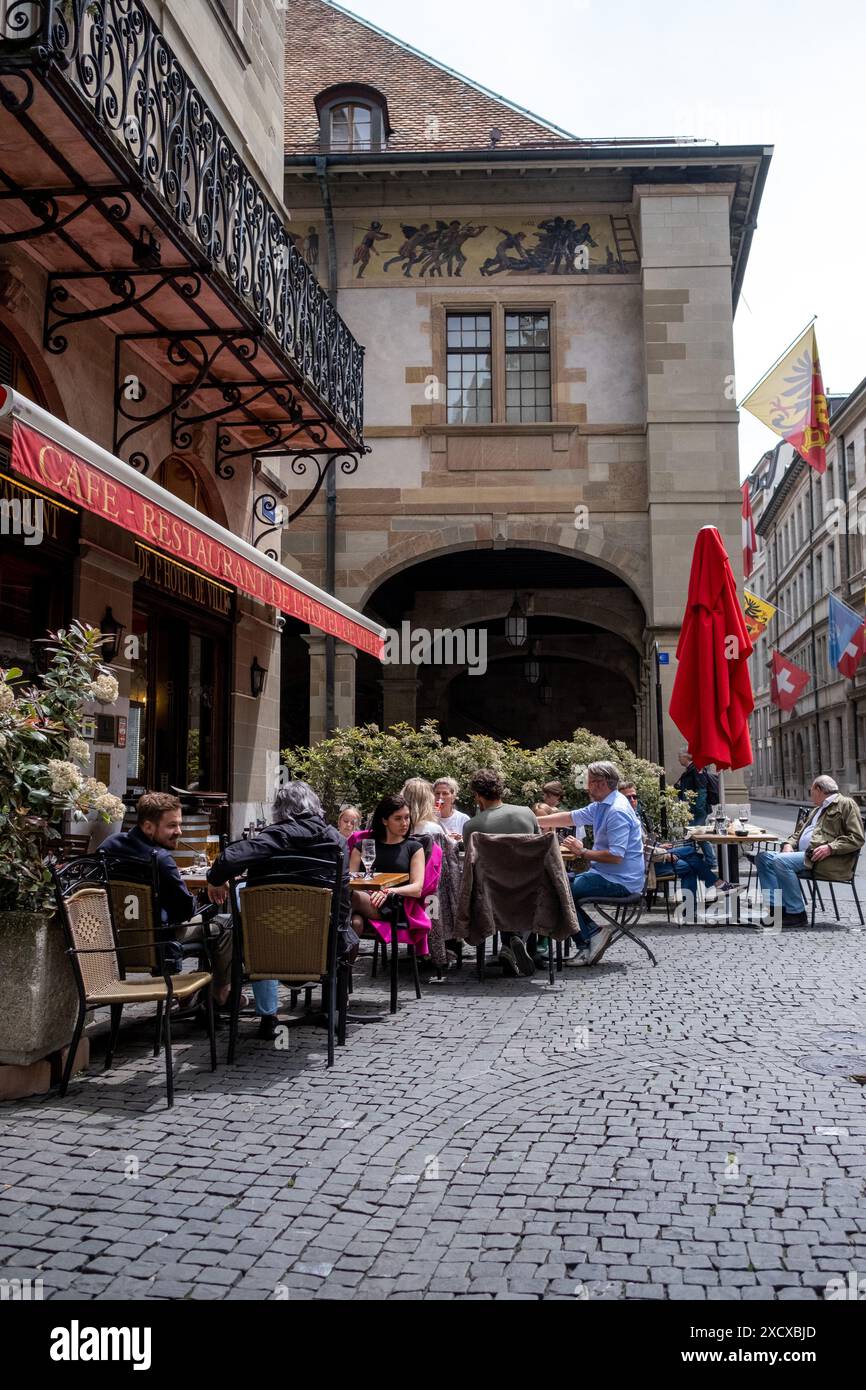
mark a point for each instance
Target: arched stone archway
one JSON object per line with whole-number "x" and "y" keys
{"x": 585, "y": 617}
{"x": 625, "y": 563}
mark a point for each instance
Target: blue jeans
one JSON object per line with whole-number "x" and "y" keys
{"x": 265, "y": 995}
{"x": 692, "y": 863}
{"x": 592, "y": 884}
{"x": 777, "y": 871}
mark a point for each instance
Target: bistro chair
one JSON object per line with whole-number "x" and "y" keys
{"x": 83, "y": 899}
{"x": 288, "y": 932}
{"x": 133, "y": 886}
{"x": 72, "y": 847}
{"x": 407, "y": 922}
{"x": 813, "y": 877}
{"x": 623, "y": 914}
{"x": 538, "y": 894}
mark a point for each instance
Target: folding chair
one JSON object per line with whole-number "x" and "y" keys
{"x": 624, "y": 913}
{"x": 84, "y": 905}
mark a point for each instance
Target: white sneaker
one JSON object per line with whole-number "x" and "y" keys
{"x": 599, "y": 944}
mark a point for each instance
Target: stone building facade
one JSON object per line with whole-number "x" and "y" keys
{"x": 811, "y": 530}
{"x": 109, "y": 312}
{"x": 547, "y": 326}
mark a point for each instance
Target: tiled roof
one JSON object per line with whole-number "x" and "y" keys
{"x": 326, "y": 45}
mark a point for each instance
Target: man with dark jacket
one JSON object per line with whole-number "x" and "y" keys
{"x": 159, "y": 828}
{"x": 299, "y": 829}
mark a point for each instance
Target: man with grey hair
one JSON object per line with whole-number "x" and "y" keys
{"x": 615, "y": 862}
{"x": 299, "y": 830}
{"x": 831, "y": 836}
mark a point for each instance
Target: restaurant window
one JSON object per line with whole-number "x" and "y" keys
{"x": 136, "y": 736}
{"x": 470, "y": 377}
{"x": 527, "y": 366}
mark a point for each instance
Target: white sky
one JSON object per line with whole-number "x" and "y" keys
{"x": 787, "y": 73}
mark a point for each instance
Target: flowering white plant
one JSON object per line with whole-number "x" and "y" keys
{"x": 40, "y": 749}
{"x": 104, "y": 689}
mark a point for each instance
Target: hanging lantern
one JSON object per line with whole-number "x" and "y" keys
{"x": 112, "y": 632}
{"x": 532, "y": 666}
{"x": 545, "y": 693}
{"x": 516, "y": 625}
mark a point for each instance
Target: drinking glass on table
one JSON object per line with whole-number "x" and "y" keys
{"x": 368, "y": 856}
{"x": 200, "y": 864}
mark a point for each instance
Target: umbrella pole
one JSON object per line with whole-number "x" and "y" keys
{"x": 660, "y": 729}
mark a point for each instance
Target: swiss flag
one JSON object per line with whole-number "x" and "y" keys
{"x": 749, "y": 541}
{"x": 788, "y": 681}
{"x": 853, "y": 654}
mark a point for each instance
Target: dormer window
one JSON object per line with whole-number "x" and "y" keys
{"x": 353, "y": 118}
{"x": 351, "y": 127}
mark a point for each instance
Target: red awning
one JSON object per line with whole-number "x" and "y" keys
{"x": 57, "y": 457}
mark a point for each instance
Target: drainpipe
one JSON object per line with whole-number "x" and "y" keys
{"x": 330, "y": 477}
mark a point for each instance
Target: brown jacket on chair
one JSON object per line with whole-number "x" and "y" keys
{"x": 841, "y": 828}
{"x": 514, "y": 883}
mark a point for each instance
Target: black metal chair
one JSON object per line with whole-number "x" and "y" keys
{"x": 84, "y": 903}
{"x": 623, "y": 914}
{"x": 812, "y": 878}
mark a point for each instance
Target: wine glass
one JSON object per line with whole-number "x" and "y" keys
{"x": 368, "y": 855}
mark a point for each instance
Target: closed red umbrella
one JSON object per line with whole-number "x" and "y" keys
{"x": 712, "y": 695}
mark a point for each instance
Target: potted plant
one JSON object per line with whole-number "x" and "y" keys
{"x": 42, "y": 761}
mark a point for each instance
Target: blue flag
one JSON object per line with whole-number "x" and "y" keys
{"x": 847, "y": 637}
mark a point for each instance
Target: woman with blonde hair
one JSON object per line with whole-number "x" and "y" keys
{"x": 418, "y": 793}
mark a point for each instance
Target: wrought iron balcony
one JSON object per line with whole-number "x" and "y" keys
{"x": 119, "y": 71}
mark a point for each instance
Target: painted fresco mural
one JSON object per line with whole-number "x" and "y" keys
{"x": 562, "y": 244}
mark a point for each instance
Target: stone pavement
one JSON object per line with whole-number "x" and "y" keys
{"x": 688, "y": 1132}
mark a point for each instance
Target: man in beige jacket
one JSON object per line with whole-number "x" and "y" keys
{"x": 828, "y": 840}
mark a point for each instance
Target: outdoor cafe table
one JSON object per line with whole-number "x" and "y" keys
{"x": 729, "y": 841}
{"x": 365, "y": 885}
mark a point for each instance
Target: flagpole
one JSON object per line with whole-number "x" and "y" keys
{"x": 794, "y": 340}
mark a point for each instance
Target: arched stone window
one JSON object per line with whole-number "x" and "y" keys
{"x": 180, "y": 479}
{"x": 15, "y": 370}
{"x": 353, "y": 118}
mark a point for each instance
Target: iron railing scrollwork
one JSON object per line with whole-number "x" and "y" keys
{"x": 121, "y": 66}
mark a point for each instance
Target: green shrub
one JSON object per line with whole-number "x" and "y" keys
{"x": 361, "y": 764}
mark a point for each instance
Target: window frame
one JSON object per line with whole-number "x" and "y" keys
{"x": 497, "y": 310}
{"x": 519, "y": 352}
{"x": 353, "y": 94}
{"x": 466, "y": 351}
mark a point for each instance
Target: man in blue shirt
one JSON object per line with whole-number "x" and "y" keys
{"x": 616, "y": 860}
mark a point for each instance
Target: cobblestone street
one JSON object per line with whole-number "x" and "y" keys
{"x": 688, "y": 1132}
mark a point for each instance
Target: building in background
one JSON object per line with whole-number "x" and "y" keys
{"x": 151, "y": 298}
{"x": 810, "y": 529}
{"x": 549, "y": 384}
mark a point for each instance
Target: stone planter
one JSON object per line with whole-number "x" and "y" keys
{"x": 38, "y": 998}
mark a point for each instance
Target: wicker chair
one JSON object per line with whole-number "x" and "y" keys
{"x": 133, "y": 886}
{"x": 84, "y": 903}
{"x": 288, "y": 932}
